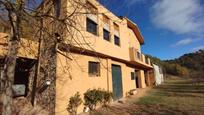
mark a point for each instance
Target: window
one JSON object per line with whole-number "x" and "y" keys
{"x": 106, "y": 28}
{"x": 106, "y": 35}
{"x": 94, "y": 68}
{"x": 116, "y": 40}
{"x": 138, "y": 56}
{"x": 116, "y": 35}
{"x": 133, "y": 75}
{"x": 91, "y": 26}
{"x": 57, "y": 6}
{"x": 92, "y": 19}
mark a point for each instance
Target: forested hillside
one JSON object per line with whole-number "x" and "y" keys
{"x": 191, "y": 65}
{"x": 193, "y": 61}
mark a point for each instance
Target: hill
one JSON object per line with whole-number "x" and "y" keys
{"x": 191, "y": 64}
{"x": 193, "y": 61}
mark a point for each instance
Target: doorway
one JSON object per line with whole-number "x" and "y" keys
{"x": 136, "y": 79}
{"x": 21, "y": 77}
{"x": 117, "y": 82}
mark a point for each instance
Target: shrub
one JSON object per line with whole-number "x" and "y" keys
{"x": 96, "y": 96}
{"x": 74, "y": 102}
{"x": 107, "y": 97}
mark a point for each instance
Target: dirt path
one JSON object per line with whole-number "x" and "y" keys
{"x": 177, "y": 96}
{"x": 141, "y": 93}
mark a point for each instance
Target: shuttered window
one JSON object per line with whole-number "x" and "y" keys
{"x": 91, "y": 26}
{"x": 106, "y": 28}
{"x": 116, "y": 29}
{"x": 116, "y": 40}
{"x": 94, "y": 68}
{"x": 116, "y": 35}
{"x": 92, "y": 19}
{"x": 106, "y": 35}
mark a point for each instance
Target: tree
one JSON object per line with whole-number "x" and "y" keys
{"x": 23, "y": 11}
{"x": 55, "y": 29}
{"x": 9, "y": 68}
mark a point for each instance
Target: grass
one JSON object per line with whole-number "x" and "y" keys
{"x": 175, "y": 97}
{"x": 179, "y": 95}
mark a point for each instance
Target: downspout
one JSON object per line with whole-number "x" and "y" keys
{"x": 107, "y": 74}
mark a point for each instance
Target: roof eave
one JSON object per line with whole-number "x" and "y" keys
{"x": 136, "y": 30}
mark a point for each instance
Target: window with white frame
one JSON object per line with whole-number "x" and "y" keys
{"x": 116, "y": 35}
{"x": 92, "y": 19}
{"x": 106, "y": 28}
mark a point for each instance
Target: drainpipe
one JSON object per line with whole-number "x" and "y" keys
{"x": 107, "y": 74}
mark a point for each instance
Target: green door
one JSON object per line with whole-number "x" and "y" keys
{"x": 117, "y": 82}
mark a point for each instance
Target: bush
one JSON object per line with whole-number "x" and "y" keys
{"x": 107, "y": 97}
{"x": 74, "y": 102}
{"x": 96, "y": 96}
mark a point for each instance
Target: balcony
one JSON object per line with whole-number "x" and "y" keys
{"x": 136, "y": 56}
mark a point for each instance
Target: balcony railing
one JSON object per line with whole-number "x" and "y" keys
{"x": 137, "y": 56}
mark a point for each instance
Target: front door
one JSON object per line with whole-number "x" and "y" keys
{"x": 117, "y": 82}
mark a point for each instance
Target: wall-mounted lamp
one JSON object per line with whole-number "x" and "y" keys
{"x": 44, "y": 86}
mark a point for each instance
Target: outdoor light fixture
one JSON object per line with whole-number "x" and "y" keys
{"x": 44, "y": 86}
{"x": 47, "y": 82}
{"x": 57, "y": 35}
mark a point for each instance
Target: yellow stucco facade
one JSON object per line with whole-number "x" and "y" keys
{"x": 73, "y": 75}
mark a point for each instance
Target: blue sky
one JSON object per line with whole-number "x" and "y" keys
{"x": 170, "y": 28}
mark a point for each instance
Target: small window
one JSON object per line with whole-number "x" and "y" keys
{"x": 133, "y": 75}
{"x": 91, "y": 26}
{"x": 57, "y": 6}
{"x": 94, "y": 68}
{"x": 138, "y": 56}
{"x": 106, "y": 35}
{"x": 116, "y": 40}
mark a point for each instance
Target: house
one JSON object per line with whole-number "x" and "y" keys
{"x": 116, "y": 64}
{"x": 106, "y": 54}
{"x": 26, "y": 57}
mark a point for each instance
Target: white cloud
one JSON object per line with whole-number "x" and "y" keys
{"x": 180, "y": 16}
{"x": 183, "y": 42}
{"x": 197, "y": 48}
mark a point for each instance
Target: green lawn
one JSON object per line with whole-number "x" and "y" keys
{"x": 174, "y": 97}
